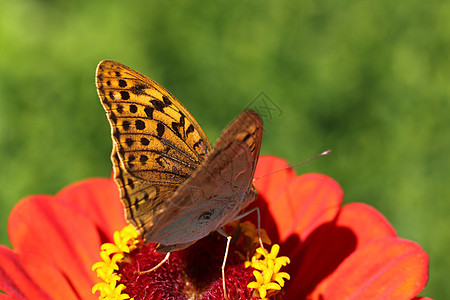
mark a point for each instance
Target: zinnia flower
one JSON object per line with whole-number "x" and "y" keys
{"x": 335, "y": 252}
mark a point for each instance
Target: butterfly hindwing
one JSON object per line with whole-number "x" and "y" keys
{"x": 215, "y": 193}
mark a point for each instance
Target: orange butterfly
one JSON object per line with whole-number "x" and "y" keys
{"x": 175, "y": 187}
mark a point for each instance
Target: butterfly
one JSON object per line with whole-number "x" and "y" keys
{"x": 175, "y": 187}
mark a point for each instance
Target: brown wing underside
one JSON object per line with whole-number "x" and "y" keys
{"x": 215, "y": 192}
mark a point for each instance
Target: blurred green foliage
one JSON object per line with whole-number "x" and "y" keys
{"x": 368, "y": 79}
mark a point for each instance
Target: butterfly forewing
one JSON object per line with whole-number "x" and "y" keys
{"x": 216, "y": 192}
{"x": 140, "y": 199}
{"x": 156, "y": 142}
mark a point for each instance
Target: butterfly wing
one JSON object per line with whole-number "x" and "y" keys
{"x": 215, "y": 192}
{"x": 157, "y": 144}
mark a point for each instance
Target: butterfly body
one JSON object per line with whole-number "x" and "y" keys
{"x": 174, "y": 186}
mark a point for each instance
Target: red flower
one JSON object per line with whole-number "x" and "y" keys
{"x": 56, "y": 241}
{"x": 349, "y": 252}
{"x": 336, "y": 253}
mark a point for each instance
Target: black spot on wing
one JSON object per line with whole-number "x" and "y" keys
{"x": 189, "y": 129}
{"x": 133, "y": 109}
{"x": 129, "y": 142}
{"x": 136, "y": 205}
{"x": 113, "y": 118}
{"x": 246, "y": 137}
{"x": 198, "y": 143}
{"x": 166, "y": 100}
{"x": 138, "y": 89}
{"x": 160, "y": 161}
{"x": 122, "y": 83}
{"x": 160, "y": 129}
{"x": 140, "y": 124}
{"x": 158, "y": 105}
{"x": 149, "y": 111}
{"x": 125, "y": 95}
{"x": 130, "y": 183}
{"x": 122, "y": 152}
{"x": 176, "y": 126}
{"x": 143, "y": 158}
{"x": 126, "y": 125}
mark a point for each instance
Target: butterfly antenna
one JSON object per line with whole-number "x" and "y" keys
{"x": 326, "y": 152}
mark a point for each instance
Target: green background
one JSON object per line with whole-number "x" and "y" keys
{"x": 368, "y": 79}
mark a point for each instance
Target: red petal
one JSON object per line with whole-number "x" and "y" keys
{"x": 269, "y": 188}
{"x": 388, "y": 268}
{"x": 271, "y": 184}
{"x": 366, "y": 222}
{"x": 318, "y": 256}
{"x": 49, "y": 234}
{"x": 16, "y": 281}
{"x": 308, "y": 201}
{"x": 99, "y": 199}
{"x": 13, "y": 278}
{"x": 328, "y": 246}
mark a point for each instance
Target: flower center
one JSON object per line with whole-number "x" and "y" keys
{"x": 192, "y": 273}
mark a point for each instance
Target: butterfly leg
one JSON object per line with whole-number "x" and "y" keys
{"x": 259, "y": 223}
{"x": 220, "y": 230}
{"x": 166, "y": 258}
{"x": 223, "y": 267}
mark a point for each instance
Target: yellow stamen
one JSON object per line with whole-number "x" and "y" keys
{"x": 125, "y": 241}
{"x": 268, "y": 278}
